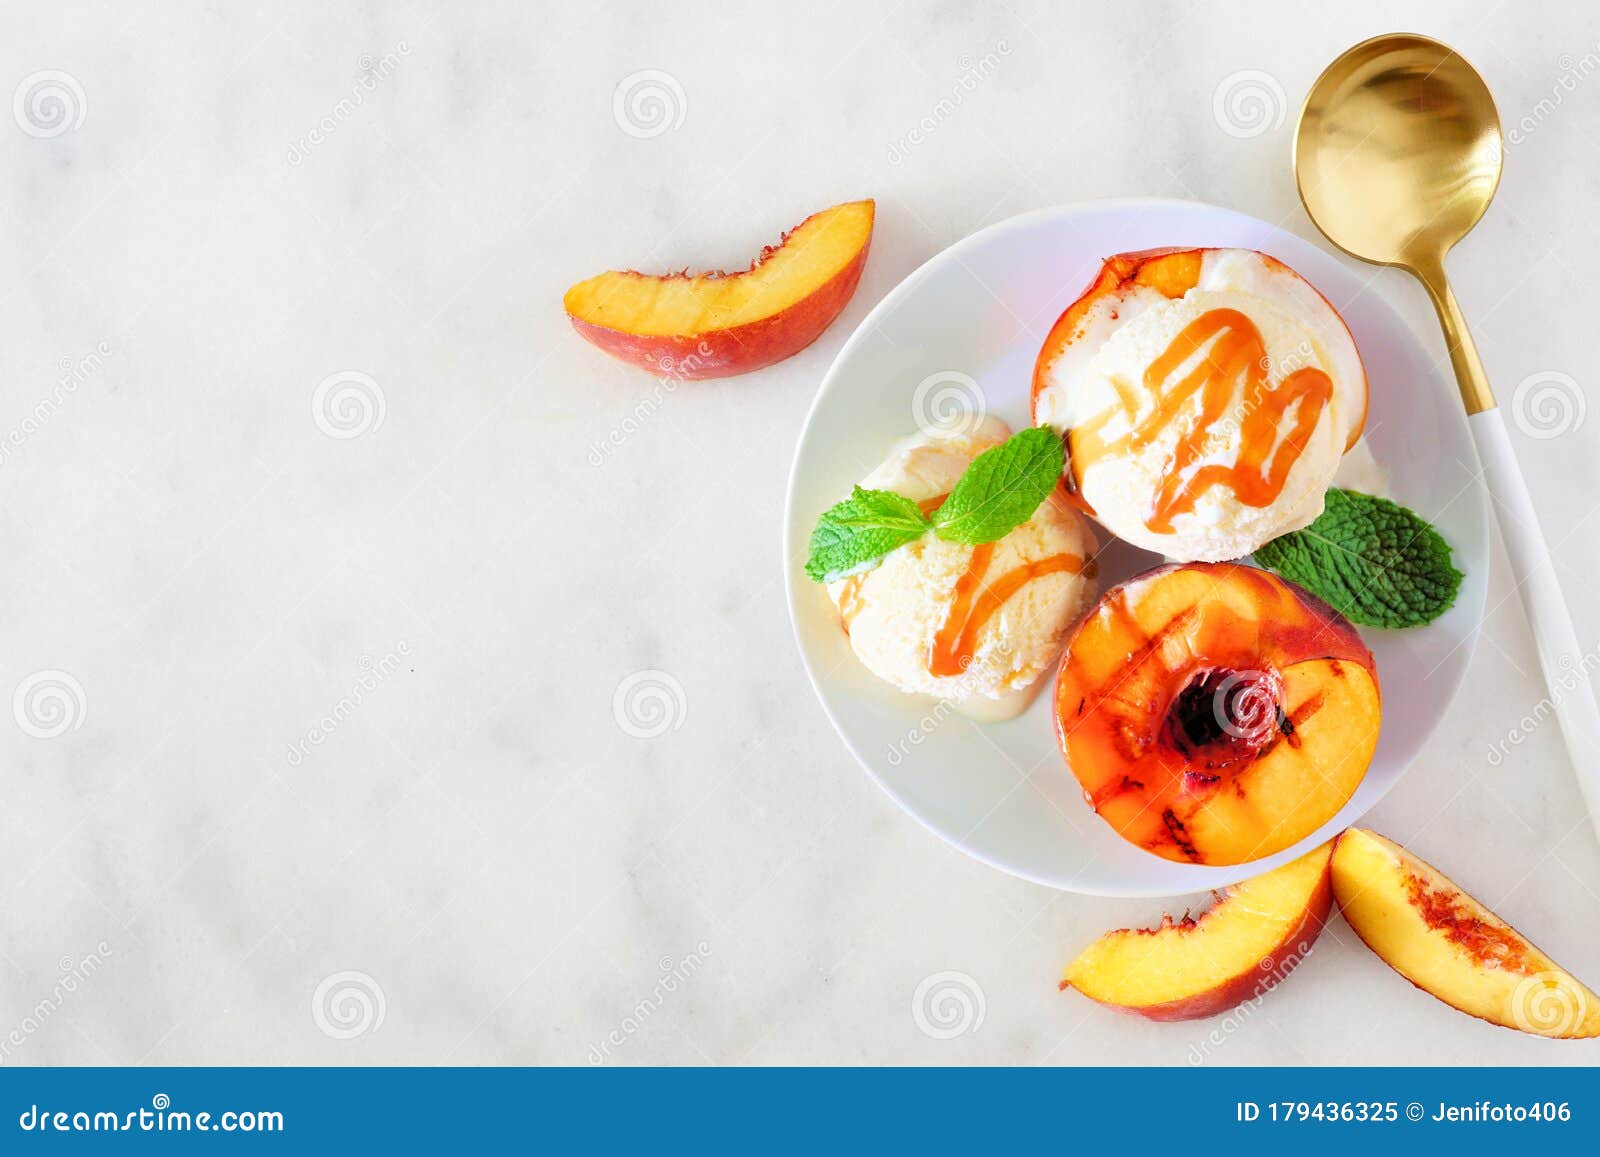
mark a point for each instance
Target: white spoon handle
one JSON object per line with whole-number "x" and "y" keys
{"x": 1565, "y": 664}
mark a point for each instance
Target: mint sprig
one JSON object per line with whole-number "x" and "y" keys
{"x": 1002, "y": 488}
{"x": 854, "y": 534}
{"x": 1375, "y": 562}
{"x": 997, "y": 493}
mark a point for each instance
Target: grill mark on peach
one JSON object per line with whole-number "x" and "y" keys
{"x": 1111, "y": 791}
{"x": 1178, "y": 834}
{"x": 1116, "y": 608}
{"x": 1297, "y": 718}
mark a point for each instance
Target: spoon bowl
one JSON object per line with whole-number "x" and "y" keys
{"x": 1398, "y": 151}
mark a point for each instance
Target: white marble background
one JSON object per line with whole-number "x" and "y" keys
{"x": 204, "y": 571}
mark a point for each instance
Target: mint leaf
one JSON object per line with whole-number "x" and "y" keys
{"x": 1002, "y": 488}
{"x": 854, "y": 534}
{"x": 1376, "y": 563}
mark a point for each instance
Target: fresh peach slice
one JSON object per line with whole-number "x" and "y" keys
{"x": 1216, "y": 713}
{"x": 713, "y": 325}
{"x": 1240, "y": 948}
{"x": 1451, "y": 946}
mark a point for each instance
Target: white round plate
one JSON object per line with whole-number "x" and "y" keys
{"x": 982, "y": 308}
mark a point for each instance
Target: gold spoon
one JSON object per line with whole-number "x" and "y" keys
{"x": 1397, "y": 156}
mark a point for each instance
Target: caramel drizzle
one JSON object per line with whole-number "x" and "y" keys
{"x": 1263, "y": 464}
{"x": 976, "y": 602}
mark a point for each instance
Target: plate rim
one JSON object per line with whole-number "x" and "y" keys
{"x": 859, "y": 335}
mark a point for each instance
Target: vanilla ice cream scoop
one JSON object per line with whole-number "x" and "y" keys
{"x": 976, "y": 626}
{"x": 1206, "y": 397}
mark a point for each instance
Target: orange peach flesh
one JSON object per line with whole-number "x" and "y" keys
{"x": 1145, "y": 687}
{"x": 714, "y": 324}
{"x": 1241, "y": 947}
{"x": 1451, "y": 946}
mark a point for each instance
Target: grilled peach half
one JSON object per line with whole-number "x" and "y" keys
{"x": 1449, "y": 945}
{"x": 1215, "y": 713}
{"x": 714, "y": 325}
{"x": 1237, "y": 950}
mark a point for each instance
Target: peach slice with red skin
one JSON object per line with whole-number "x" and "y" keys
{"x": 1129, "y": 282}
{"x": 1215, "y": 713}
{"x": 714, "y": 325}
{"x": 1240, "y": 948}
{"x": 1452, "y": 947}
